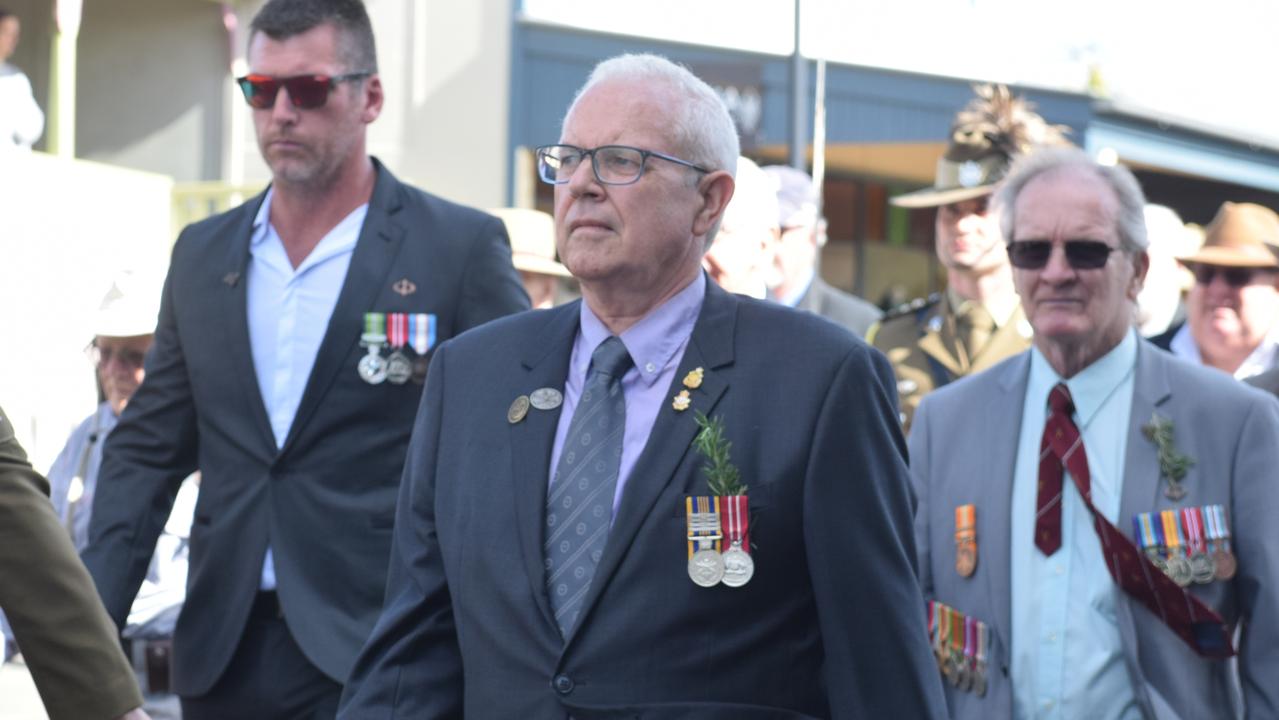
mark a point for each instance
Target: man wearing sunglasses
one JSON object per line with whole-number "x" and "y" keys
{"x": 541, "y": 565}
{"x": 279, "y": 326}
{"x": 1232, "y": 310}
{"x": 1085, "y": 468}
{"x": 976, "y": 322}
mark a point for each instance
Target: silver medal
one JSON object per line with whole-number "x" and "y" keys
{"x": 546, "y": 398}
{"x": 739, "y": 568}
{"x": 372, "y": 367}
{"x": 706, "y": 567}
{"x": 398, "y": 368}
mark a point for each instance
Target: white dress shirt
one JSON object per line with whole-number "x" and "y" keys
{"x": 1261, "y": 359}
{"x": 289, "y": 310}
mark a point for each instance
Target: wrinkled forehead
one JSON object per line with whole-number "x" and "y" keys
{"x": 1071, "y": 203}
{"x": 624, "y": 112}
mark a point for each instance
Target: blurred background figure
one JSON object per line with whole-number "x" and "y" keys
{"x": 794, "y": 279}
{"x": 123, "y": 330}
{"x": 21, "y": 121}
{"x": 978, "y": 320}
{"x": 533, "y": 254}
{"x": 1160, "y": 305}
{"x": 1232, "y": 310}
{"x": 739, "y": 259}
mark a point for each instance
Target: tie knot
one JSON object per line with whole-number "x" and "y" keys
{"x": 1059, "y": 399}
{"x": 611, "y": 358}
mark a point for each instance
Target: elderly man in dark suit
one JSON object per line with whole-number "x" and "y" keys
{"x": 293, "y": 336}
{"x": 562, "y": 548}
{"x": 66, "y": 638}
{"x": 1096, "y": 521}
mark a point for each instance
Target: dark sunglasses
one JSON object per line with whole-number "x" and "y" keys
{"x": 306, "y": 92}
{"x": 1081, "y": 254}
{"x": 1235, "y": 277}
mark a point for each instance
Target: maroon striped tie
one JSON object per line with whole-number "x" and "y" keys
{"x": 1193, "y": 621}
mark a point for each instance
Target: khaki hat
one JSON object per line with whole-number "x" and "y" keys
{"x": 985, "y": 136}
{"x": 129, "y": 309}
{"x": 532, "y": 240}
{"x": 1242, "y": 235}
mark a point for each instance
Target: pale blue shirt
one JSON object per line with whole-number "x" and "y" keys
{"x": 792, "y": 299}
{"x": 289, "y": 310}
{"x": 656, "y": 345}
{"x": 1261, "y": 359}
{"x": 1067, "y": 657}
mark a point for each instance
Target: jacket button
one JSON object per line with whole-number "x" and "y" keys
{"x": 563, "y": 684}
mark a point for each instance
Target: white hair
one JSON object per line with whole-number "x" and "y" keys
{"x": 1131, "y": 223}
{"x": 703, "y": 130}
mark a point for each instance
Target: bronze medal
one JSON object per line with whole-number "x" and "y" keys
{"x": 1226, "y": 564}
{"x": 518, "y": 409}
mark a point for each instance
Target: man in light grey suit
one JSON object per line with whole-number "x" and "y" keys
{"x": 1043, "y": 521}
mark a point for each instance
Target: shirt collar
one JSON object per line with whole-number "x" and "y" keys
{"x": 261, "y": 221}
{"x": 1091, "y": 387}
{"x": 341, "y": 239}
{"x": 653, "y": 341}
{"x": 1261, "y": 358}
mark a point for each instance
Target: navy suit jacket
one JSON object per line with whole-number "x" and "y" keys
{"x": 325, "y": 501}
{"x": 830, "y": 626}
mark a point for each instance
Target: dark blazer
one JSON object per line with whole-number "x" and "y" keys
{"x": 65, "y": 636}
{"x": 325, "y": 501}
{"x": 1229, "y": 430}
{"x": 830, "y": 626}
{"x": 1163, "y": 340}
{"x": 1268, "y": 381}
{"x": 849, "y": 311}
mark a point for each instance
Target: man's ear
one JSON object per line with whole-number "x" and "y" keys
{"x": 716, "y": 189}
{"x": 372, "y": 97}
{"x": 1140, "y": 266}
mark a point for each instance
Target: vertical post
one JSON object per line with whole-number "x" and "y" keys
{"x": 61, "y": 120}
{"x": 798, "y": 101}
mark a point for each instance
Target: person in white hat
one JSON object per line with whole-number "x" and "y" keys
{"x": 533, "y": 254}
{"x": 123, "y": 328}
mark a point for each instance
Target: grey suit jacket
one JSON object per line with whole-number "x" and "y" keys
{"x": 1268, "y": 381}
{"x": 324, "y": 501}
{"x": 848, "y": 311}
{"x": 830, "y": 626}
{"x": 963, "y": 449}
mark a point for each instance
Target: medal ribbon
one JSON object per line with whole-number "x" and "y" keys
{"x": 1223, "y": 527}
{"x": 1144, "y": 530}
{"x": 397, "y": 329}
{"x": 1211, "y": 524}
{"x": 983, "y": 641}
{"x": 956, "y": 637}
{"x": 736, "y": 520}
{"x": 943, "y": 631}
{"x": 970, "y": 642}
{"x": 422, "y": 332}
{"x": 965, "y": 522}
{"x": 1171, "y": 531}
{"x": 374, "y": 327}
{"x": 1193, "y": 521}
{"x": 703, "y": 523}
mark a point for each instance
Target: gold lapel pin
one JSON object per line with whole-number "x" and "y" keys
{"x": 693, "y": 379}
{"x": 404, "y": 287}
{"x": 681, "y": 401}
{"x": 518, "y": 409}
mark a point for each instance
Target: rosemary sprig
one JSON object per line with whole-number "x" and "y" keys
{"x": 722, "y": 476}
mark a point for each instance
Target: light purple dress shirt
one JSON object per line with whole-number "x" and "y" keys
{"x": 656, "y": 344}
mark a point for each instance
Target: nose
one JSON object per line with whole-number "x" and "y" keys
{"x": 1058, "y": 269}
{"x": 282, "y": 111}
{"x": 583, "y": 181}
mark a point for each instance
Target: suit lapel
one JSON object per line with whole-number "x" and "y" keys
{"x": 1004, "y": 411}
{"x": 234, "y": 284}
{"x": 546, "y": 365}
{"x": 711, "y": 348}
{"x": 1151, "y": 388}
{"x": 378, "y": 244}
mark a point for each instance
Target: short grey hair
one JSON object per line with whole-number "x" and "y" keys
{"x": 703, "y": 129}
{"x": 1131, "y": 224}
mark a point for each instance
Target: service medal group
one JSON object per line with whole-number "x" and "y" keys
{"x": 1191, "y": 545}
{"x": 719, "y": 540}
{"x": 396, "y": 330}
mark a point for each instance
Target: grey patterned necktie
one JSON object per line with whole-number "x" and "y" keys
{"x": 579, "y": 506}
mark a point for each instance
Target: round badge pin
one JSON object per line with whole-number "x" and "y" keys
{"x": 518, "y": 409}
{"x": 546, "y": 398}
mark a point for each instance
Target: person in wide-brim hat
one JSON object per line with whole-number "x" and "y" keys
{"x": 533, "y": 253}
{"x": 1232, "y": 309}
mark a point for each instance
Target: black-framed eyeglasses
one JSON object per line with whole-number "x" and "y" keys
{"x": 306, "y": 92}
{"x": 1080, "y": 254}
{"x": 612, "y": 164}
{"x": 1235, "y": 277}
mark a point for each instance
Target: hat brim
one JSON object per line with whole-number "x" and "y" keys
{"x": 1231, "y": 257}
{"x": 539, "y": 265}
{"x": 936, "y": 197}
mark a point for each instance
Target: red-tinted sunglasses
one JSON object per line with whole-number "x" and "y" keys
{"x": 306, "y": 92}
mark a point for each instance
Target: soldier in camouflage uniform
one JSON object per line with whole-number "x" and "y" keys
{"x": 977, "y": 321}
